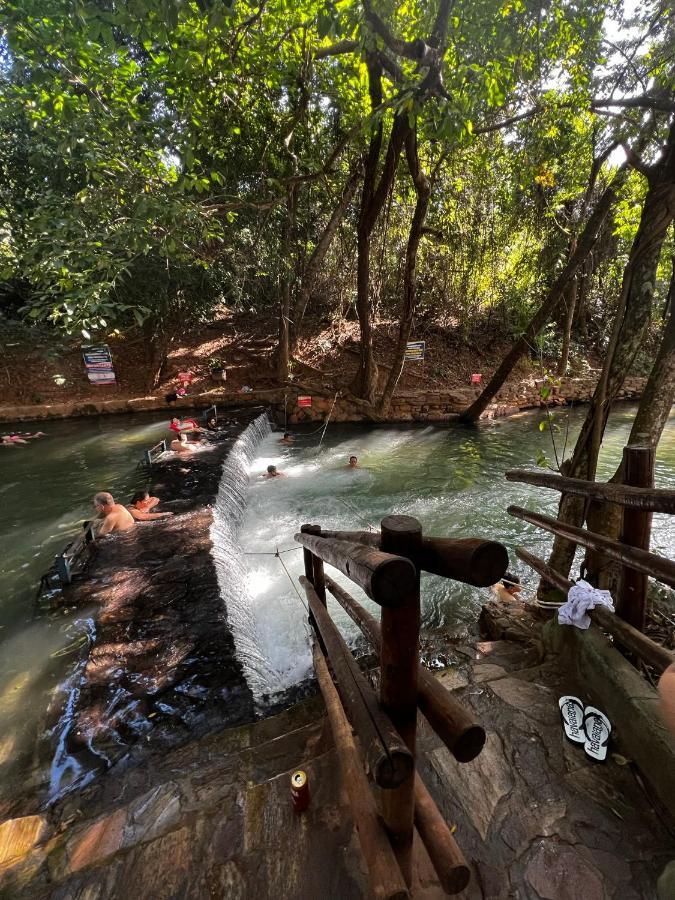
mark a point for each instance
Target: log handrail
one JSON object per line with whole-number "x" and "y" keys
{"x": 451, "y": 721}
{"x": 386, "y": 880}
{"x": 472, "y": 561}
{"x": 649, "y": 499}
{"x": 628, "y": 636}
{"x": 389, "y": 759}
{"x": 657, "y": 567}
{"x": 384, "y": 577}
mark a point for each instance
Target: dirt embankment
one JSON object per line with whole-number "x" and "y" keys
{"x": 39, "y": 379}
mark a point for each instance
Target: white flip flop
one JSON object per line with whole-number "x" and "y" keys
{"x": 598, "y": 729}
{"x": 572, "y": 712}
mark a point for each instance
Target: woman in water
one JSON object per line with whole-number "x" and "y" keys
{"x": 142, "y": 504}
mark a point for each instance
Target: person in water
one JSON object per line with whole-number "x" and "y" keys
{"x": 286, "y": 439}
{"x": 353, "y": 463}
{"x": 142, "y": 504}
{"x": 212, "y": 424}
{"x": 115, "y": 516}
{"x": 14, "y": 438}
{"x": 273, "y": 472}
{"x": 508, "y": 588}
{"x": 181, "y": 444}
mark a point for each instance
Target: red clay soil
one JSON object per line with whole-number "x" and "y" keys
{"x": 32, "y": 373}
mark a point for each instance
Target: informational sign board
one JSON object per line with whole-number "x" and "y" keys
{"x": 98, "y": 363}
{"x": 415, "y": 351}
{"x": 304, "y": 401}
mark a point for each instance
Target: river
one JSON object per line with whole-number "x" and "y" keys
{"x": 451, "y": 479}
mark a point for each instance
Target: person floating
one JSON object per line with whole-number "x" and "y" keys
{"x": 14, "y": 438}
{"x": 508, "y": 588}
{"x": 273, "y": 472}
{"x": 353, "y": 463}
{"x": 115, "y": 516}
{"x": 141, "y": 505}
{"x": 286, "y": 439}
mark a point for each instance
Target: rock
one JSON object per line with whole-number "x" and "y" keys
{"x": 559, "y": 872}
{"x": 19, "y": 836}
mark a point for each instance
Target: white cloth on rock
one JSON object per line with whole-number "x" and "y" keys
{"x": 580, "y": 598}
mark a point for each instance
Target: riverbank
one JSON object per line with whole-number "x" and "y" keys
{"x": 36, "y": 384}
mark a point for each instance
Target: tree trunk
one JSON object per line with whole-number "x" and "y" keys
{"x": 571, "y": 305}
{"x": 372, "y": 201}
{"x": 319, "y": 253}
{"x": 423, "y": 191}
{"x": 650, "y": 420}
{"x": 287, "y": 234}
{"x": 637, "y": 293}
{"x": 584, "y": 246}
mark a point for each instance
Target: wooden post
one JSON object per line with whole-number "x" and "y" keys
{"x": 385, "y": 876}
{"x": 448, "y": 860}
{"x": 389, "y": 759}
{"x": 314, "y": 565}
{"x": 452, "y": 722}
{"x": 399, "y": 666}
{"x": 638, "y": 468}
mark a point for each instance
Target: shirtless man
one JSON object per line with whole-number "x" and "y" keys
{"x": 115, "y": 517}
{"x": 142, "y": 504}
{"x": 508, "y": 588}
{"x": 353, "y": 463}
{"x": 286, "y": 439}
{"x": 181, "y": 445}
{"x": 273, "y": 472}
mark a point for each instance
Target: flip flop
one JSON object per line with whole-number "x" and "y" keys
{"x": 598, "y": 729}
{"x": 572, "y": 712}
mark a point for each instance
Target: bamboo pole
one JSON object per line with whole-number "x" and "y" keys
{"x": 658, "y": 567}
{"x": 642, "y": 646}
{"x": 451, "y": 721}
{"x": 386, "y": 880}
{"x": 650, "y": 499}
{"x": 385, "y": 578}
{"x": 469, "y": 560}
{"x": 399, "y": 667}
{"x": 389, "y": 759}
{"x": 638, "y": 470}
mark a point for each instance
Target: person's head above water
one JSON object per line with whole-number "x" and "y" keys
{"x": 511, "y": 582}
{"x": 271, "y": 470}
{"x": 175, "y": 418}
{"x": 353, "y": 462}
{"x": 103, "y": 501}
{"x": 139, "y": 497}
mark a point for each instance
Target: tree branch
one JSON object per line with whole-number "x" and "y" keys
{"x": 645, "y": 101}
{"x": 345, "y": 46}
{"x": 417, "y": 50}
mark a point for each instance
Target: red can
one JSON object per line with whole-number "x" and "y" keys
{"x": 300, "y": 790}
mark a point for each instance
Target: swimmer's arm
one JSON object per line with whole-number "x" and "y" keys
{"x": 147, "y": 516}
{"x": 105, "y": 527}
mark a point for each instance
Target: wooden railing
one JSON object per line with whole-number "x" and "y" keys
{"x": 639, "y": 499}
{"x": 387, "y": 566}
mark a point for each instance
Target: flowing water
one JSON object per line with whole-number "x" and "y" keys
{"x": 451, "y": 479}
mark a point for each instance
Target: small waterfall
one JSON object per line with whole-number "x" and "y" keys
{"x": 229, "y": 558}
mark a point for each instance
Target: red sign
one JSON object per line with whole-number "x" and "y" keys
{"x": 304, "y": 401}
{"x": 476, "y": 378}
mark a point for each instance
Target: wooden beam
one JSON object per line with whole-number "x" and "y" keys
{"x": 469, "y": 560}
{"x": 399, "y": 665}
{"x": 636, "y": 530}
{"x": 451, "y": 721}
{"x": 386, "y": 880}
{"x": 657, "y": 567}
{"x": 389, "y": 759}
{"x": 651, "y": 499}
{"x": 314, "y": 565}
{"x": 448, "y": 860}
{"x": 385, "y": 578}
{"x": 642, "y": 646}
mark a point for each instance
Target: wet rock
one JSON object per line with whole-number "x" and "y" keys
{"x": 559, "y": 872}
{"x": 18, "y": 837}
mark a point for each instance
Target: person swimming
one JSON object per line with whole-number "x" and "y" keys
{"x": 286, "y": 439}
{"x": 353, "y": 463}
{"x": 273, "y": 472}
{"x": 181, "y": 444}
{"x": 141, "y": 505}
{"x": 508, "y": 588}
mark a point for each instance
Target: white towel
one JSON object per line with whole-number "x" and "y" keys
{"x": 580, "y": 598}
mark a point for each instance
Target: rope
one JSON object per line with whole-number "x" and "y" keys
{"x": 356, "y": 512}
{"x": 308, "y": 633}
{"x": 330, "y": 413}
{"x": 269, "y": 552}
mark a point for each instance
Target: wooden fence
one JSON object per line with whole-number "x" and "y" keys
{"x": 639, "y": 499}
{"x": 387, "y": 566}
